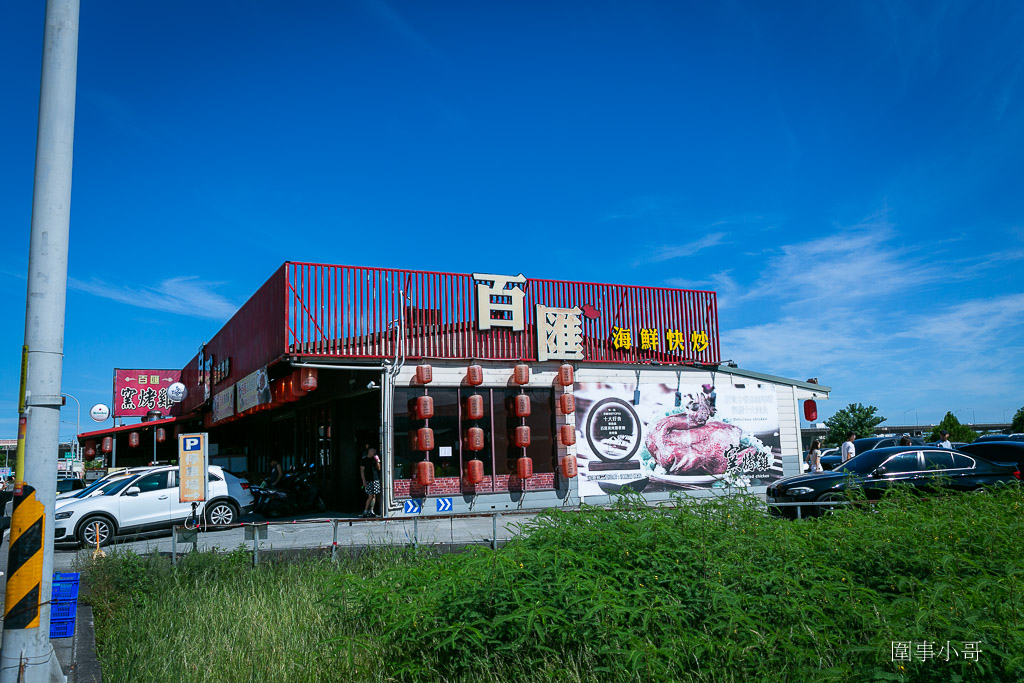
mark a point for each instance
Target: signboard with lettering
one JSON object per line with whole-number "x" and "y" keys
{"x": 136, "y": 392}
{"x": 193, "y": 459}
{"x": 252, "y": 390}
{"x": 224, "y": 404}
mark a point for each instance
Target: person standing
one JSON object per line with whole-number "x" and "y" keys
{"x": 944, "y": 443}
{"x": 848, "y": 449}
{"x": 814, "y": 456}
{"x": 369, "y": 471}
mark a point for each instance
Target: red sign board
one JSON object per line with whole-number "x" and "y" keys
{"x": 136, "y": 392}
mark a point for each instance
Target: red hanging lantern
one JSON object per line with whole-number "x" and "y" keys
{"x": 295, "y": 384}
{"x": 565, "y": 373}
{"x": 521, "y": 374}
{"x": 474, "y": 407}
{"x": 108, "y": 444}
{"x": 90, "y": 452}
{"x": 424, "y": 439}
{"x": 567, "y": 402}
{"x": 425, "y": 473}
{"x": 308, "y": 379}
{"x": 475, "y": 439}
{"x": 90, "y": 444}
{"x": 567, "y": 464}
{"x": 522, "y": 438}
{"x": 424, "y": 374}
{"x": 133, "y": 439}
{"x": 279, "y": 391}
{"x": 474, "y": 375}
{"x": 524, "y": 467}
{"x": 567, "y": 435}
{"x": 521, "y": 405}
{"x": 474, "y": 471}
{"x": 810, "y": 411}
{"x": 161, "y": 434}
{"x": 424, "y": 407}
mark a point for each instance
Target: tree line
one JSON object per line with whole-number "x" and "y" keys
{"x": 862, "y": 420}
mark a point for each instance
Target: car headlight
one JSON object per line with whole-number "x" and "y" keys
{"x": 63, "y": 515}
{"x": 799, "y": 491}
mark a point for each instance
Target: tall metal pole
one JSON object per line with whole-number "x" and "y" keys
{"x": 27, "y": 654}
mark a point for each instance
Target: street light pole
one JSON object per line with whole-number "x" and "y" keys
{"x": 26, "y": 653}
{"x": 78, "y": 425}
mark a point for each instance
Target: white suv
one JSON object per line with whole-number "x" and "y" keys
{"x": 146, "y": 501}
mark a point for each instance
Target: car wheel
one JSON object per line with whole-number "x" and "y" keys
{"x": 221, "y": 513}
{"x": 830, "y": 498}
{"x": 96, "y": 530}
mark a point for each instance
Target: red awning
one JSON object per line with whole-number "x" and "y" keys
{"x": 137, "y": 427}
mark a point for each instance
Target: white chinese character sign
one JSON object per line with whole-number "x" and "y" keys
{"x": 500, "y": 301}
{"x": 559, "y": 333}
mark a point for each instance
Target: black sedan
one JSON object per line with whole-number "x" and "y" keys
{"x": 876, "y": 470}
{"x": 997, "y": 451}
{"x": 870, "y": 443}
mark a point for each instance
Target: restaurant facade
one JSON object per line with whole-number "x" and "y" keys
{"x": 481, "y": 392}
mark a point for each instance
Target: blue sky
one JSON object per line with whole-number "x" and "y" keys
{"x": 847, "y": 177}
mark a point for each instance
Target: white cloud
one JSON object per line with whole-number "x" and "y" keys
{"x": 673, "y": 251}
{"x": 182, "y": 295}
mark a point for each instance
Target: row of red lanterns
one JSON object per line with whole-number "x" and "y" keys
{"x": 475, "y": 374}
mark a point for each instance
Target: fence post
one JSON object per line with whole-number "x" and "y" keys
{"x": 798, "y": 510}
{"x": 334, "y": 543}
{"x": 415, "y": 532}
{"x": 494, "y": 531}
{"x": 174, "y": 547}
{"x": 255, "y": 548}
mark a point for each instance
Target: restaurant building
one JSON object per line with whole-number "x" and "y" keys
{"x": 482, "y": 392}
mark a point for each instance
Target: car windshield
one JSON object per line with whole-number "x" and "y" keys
{"x": 115, "y": 485}
{"x": 865, "y": 463}
{"x": 91, "y": 488}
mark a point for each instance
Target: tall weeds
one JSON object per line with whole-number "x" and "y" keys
{"x": 693, "y": 592}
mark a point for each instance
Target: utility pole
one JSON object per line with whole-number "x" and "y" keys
{"x": 27, "y": 654}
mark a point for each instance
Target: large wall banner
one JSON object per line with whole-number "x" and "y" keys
{"x": 652, "y": 438}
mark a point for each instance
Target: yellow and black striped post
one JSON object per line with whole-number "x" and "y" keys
{"x": 25, "y": 561}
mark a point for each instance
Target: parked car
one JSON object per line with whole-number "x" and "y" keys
{"x": 997, "y": 451}
{"x": 1000, "y": 437}
{"x": 147, "y": 501}
{"x": 834, "y": 459}
{"x": 876, "y": 470}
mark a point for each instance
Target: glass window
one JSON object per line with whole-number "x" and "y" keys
{"x": 962, "y": 462}
{"x": 541, "y": 422}
{"x": 903, "y": 462}
{"x": 445, "y": 424}
{"x": 938, "y": 460}
{"x": 212, "y": 477}
{"x": 152, "y": 482}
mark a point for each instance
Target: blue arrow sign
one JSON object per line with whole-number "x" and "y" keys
{"x": 444, "y": 504}
{"x": 413, "y": 507}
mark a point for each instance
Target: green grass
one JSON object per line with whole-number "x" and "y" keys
{"x": 689, "y": 593}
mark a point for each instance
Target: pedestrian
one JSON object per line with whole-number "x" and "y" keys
{"x": 849, "y": 450}
{"x": 814, "y": 456}
{"x": 369, "y": 471}
{"x": 905, "y": 441}
{"x": 944, "y": 442}
{"x": 276, "y": 473}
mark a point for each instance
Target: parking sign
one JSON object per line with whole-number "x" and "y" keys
{"x": 193, "y": 459}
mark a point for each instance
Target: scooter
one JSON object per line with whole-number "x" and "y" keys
{"x": 295, "y": 494}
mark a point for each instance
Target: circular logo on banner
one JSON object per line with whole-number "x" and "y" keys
{"x": 99, "y": 412}
{"x": 613, "y": 430}
{"x": 177, "y": 392}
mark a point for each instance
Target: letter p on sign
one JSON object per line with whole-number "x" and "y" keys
{"x": 192, "y": 443}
